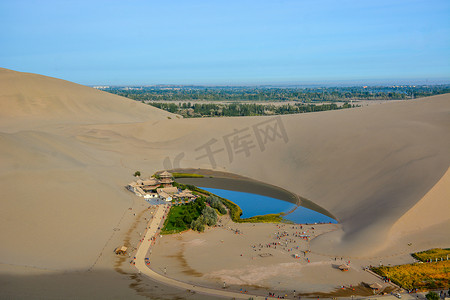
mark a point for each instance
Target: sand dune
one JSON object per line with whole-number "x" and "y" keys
{"x": 427, "y": 213}
{"x": 66, "y": 151}
{"x": 30, "y": 100}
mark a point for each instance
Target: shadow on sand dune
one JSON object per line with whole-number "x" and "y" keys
{"x": 89, "y": 285}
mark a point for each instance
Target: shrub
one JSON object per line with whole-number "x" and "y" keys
{"x": 137, "y": 173}
{"x": 210, "y": 216}
{"x": 187, "y": 219}
{"x": 432, "y": 296}
{"x": 198, "y": 224}
{"x": 215, "y": 202}
{"x": 199, "y": 204}
{"x": 179, "y": 223}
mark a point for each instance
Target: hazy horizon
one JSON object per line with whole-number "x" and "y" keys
{"x": 342, "y": 83}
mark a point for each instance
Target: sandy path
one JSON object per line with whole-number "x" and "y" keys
{"x": 141, "y": 265}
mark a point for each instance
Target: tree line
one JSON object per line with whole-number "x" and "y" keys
{"x": 196, "y": 110}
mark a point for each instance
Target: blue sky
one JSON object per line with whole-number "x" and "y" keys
{"x": 227, "y": 42}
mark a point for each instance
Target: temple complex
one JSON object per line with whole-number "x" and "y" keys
{"x": 160, "y": 187}
{"x": 165, "y": 178}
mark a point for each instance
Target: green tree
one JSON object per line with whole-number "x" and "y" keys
{"x": 432, "y": 296}
{"x": 198, "y": 224}
{"x": 215, "y": 202}
{"x": 187, "y": 218}
{"x": 137, "y": 173}
{"x": 209, "y": 215}
{"x": 179, "y": 223}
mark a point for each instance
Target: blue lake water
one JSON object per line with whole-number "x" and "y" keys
{"x": 255, "y": 205}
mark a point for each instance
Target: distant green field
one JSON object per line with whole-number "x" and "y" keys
{"x": 432, "y": 254}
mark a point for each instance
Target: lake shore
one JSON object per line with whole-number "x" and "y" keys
{"x": 234, "y": 182}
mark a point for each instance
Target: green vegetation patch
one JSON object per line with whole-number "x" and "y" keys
{"x": 194, "y": 215}
{"x": 186, "y": 175}
{"x": 217, "y": 204}
{"x": 270, "y": 218}
{"x": 432, "y": 296}
{"x": 181, "y": 217}
{"x": 432, "y": 254}
{"x": 174, "y": 222}
{"x": 421, "y": 276}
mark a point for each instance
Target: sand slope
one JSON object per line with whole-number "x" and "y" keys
{"x": 428, "y": 213}
{"x": 25, "y": 98}
{"x": 67, "y": 151}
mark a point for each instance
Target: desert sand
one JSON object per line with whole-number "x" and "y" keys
{"x": 67, "y": 151}
{"x": 263, "y": 259}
